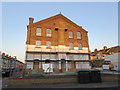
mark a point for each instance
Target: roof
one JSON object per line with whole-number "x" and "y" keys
{"x": 107, "y": 51}
{"x": 58, "y": 16}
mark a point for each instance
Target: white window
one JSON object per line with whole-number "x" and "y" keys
{"x": 29, "y": 56}
{"x": 38, "y": 43}
{"x": 78, "y": 65}
{"x": 69, "y": 65}
{"x": 78, "y": 35}
{"x": 71, "y": 46}
{"x": 48, "y": 32}
{"x": 70, "y": 34}
{"x": 79, "y": 46}
{"x": 48, "y": 44}
{"x": 38, "y": 31}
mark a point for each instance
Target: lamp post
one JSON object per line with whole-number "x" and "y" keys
{"x": 10, "y": 67}
{"x": 14, "y": 72}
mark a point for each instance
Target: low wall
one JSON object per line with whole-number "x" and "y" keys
{"x": 14, "y": 82}
{"x": 110, "y": 78}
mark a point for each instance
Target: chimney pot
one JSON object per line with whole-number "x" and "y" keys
{"x": 31, "y": 20}
{"x": 105, "y": 47}
{"x": 95, "y": 50}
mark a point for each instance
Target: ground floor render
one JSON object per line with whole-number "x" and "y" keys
{"x": 56, "y": 62}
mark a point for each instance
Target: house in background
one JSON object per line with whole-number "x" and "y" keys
{"x": 10, "y": 62}
{"x": 56, "y": 44}
{"x": 98, "y": 56}
{"x": 114, "y": 58}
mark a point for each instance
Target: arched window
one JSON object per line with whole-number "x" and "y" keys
{"x": 79, "y": 46}
{"x": 38, "y": 31}
{"x": 38, "y": 43}
{"x": 78, "y": 35}
{"x": 48, "y": 32}
{"x": 71, "y": 46}
{"x": 70, "y": 34}
{"x": 48, "y": 44}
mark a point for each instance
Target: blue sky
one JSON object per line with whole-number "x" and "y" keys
{"x": 100, "y": 19}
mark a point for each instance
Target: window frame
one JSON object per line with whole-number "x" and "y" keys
{"x": 40, "y": 32}
{"x": 71, "y": 48}
{"x": 79, "y": 36}
{"x": 48, "y": 45}
{"x": 70, "y": 35}
{"x": 37, "y": 42}
{"x": 50, "y": 32}
{"x": 79, "y": 46}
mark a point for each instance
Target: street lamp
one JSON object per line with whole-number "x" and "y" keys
{"x": 14, "y": 72}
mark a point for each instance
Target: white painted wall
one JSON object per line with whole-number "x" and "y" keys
{"x": 114, "y": 58}
{"x": 57, "y": 56}
{"x": 83, "y": 65}
{"x": 59, "y": 48}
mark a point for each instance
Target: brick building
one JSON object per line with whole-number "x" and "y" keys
{"x": 57, "y": 44}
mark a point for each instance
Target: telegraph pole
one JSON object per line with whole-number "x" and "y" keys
{"x": 14, "y": 72}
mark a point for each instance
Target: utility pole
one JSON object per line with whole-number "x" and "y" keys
{"x": 14, "y": 72}
{"x": 10, "y": 67}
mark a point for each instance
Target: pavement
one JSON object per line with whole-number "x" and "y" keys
{"x": 75, "y": 85}
{"x": 111, "y": 72}
{"x": 70, "y": 85}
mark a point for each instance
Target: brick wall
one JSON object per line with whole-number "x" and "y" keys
{"x": 52, "y": 80}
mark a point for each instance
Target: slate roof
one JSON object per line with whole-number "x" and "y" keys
{"x": 107, "y": 51}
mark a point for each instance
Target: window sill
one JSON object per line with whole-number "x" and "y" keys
{"x": 49, "y": 36}
{"x": 37, "y": 47}
{"x": 79, "y": 39}
{"x": 38, "y": 35}
{"x": 79, "y": 49}
{"x": 48, "y": 47}
{"x": 71, "y": 49}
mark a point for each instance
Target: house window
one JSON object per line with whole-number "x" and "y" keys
{"x": 79, "y": 46}
{"x": 38, "y": 31}
{"x": 48, "y": 44}
{"x": 78, "y": 35}
{"x": 70, "y": 34}
{"x": 38, "y": 43}
{"x": 48, "y": 32}
{"x": 71, "y": 46}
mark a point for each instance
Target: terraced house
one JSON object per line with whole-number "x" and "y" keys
{"x": 56, "y": 44}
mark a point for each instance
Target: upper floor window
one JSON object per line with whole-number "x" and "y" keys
{"x": 79, "y": 46}
{"x": 78, "y": 35}
{"x": 38, "y": 31}
{"x": 70, "y": 34}
{"x": 71, "y": 46}
{"x": 48, "y": 32}
{"x": 38, "y": 43}
{"x": 48, "y": 44}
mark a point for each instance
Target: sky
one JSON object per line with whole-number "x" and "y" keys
{"x": 100, "y": 19}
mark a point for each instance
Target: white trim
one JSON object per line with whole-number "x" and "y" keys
{"x": 59, "y": 48}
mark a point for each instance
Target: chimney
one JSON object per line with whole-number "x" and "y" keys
{"x": 31, "y": 20}
{"x": 95, "y": 50}
{"x": 105, "y": 47}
